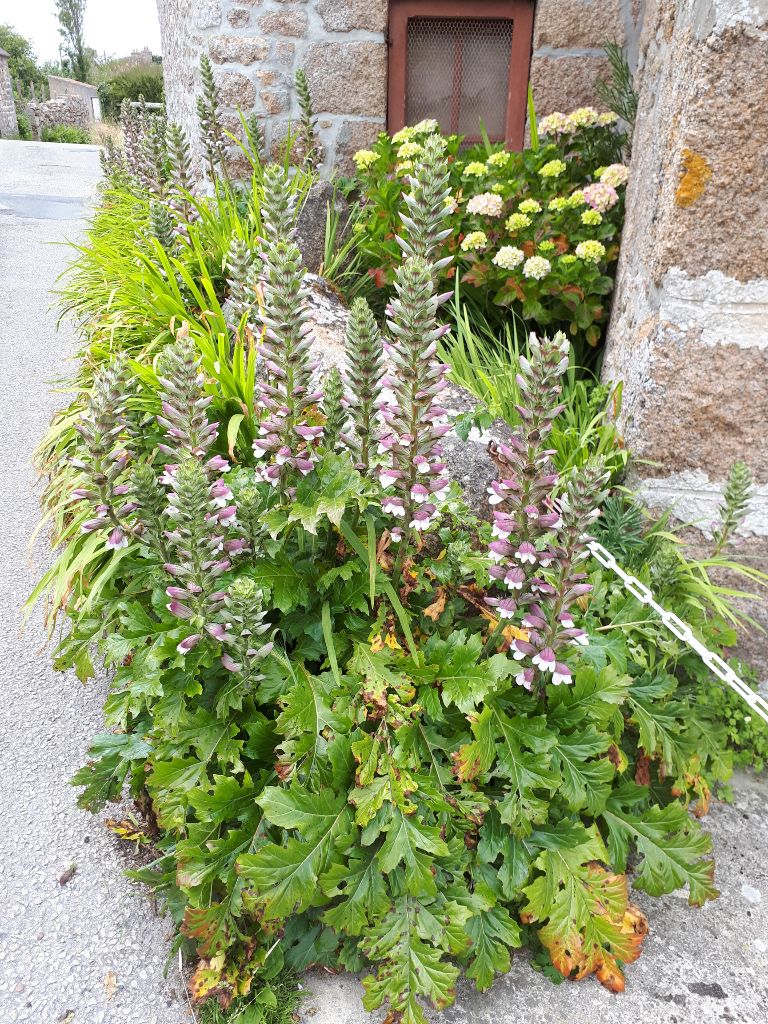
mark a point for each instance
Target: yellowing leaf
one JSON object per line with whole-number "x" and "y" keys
{"x": 436, "y": 609}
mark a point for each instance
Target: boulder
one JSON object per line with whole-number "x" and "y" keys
{"x": 310, "y": 227}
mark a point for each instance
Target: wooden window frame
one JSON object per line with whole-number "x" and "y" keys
{"x": 520, "y": 12}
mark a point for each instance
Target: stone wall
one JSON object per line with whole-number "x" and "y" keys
{"x": 689, "y": 331}
{"x": 62, "y": 88}
{"x": 257, "y": 45}
{"x": 70, "y": 111}
{"x": 8, "y": 126}
{"x": 568, "y": 55}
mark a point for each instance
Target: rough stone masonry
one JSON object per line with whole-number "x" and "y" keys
{"x": 689, "y": 330}
{"x": 256, "y": 46}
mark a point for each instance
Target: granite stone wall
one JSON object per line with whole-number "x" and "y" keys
{"x": 689, "y": 330}
{"x": 8, "y": 126}
{"x": 257, "y": 45}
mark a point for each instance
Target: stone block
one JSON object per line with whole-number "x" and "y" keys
{"x": 285, "y": 51}
{"x": 274, "y": 101}
{"x": 237, "y": 49}
{"x": 206, "y": 13}
{"x": 236, "y": 90}
{"x": 354, "y": 135}
{"x": 565, "y": 83}
{"x": 348, "y": 78}
{"x": 569, "y": 23}
{"x": 284, "y": 23}
{"x": 239, "y": 17}
{"x": 310, "y": 226}
{"x": 370, "y": 15}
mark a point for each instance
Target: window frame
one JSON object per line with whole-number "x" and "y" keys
{"x": 520, "y": 12}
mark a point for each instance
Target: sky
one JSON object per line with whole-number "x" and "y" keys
{"x": 113, "y": 27}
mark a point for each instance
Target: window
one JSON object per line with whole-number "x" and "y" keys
{"x": 463, "y": 64}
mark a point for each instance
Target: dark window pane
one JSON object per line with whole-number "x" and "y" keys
{"x": 458, "y": 73}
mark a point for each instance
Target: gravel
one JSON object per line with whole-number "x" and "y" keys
{"x": 90, "y": 951}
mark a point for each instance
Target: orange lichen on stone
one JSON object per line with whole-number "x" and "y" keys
{"x": 696, "y": 174}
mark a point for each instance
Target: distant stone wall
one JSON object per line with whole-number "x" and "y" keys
{"x": 8, "y": 125}
{"x": 70, "y": 111}
{"x": 63, "y": 88}
{"x": 257, "y": 45}
{"x": 689, "y": 331}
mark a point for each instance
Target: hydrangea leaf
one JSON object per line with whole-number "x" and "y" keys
{"x": 409, "y": 947}
{"x": 672, "y": 846}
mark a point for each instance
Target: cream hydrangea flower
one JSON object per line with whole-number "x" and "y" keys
{"x": 403, "y": 135}
{"x": 365, "y": 158}
{"x": 609, "y": 117}
{"x": 546, "y": 246}
{"x": 615, "y": 175}
{"x": 591, "y": 218}
{"x": 409, "y": 149}
{"x": 429, "y": 124}
{"x": 500, "y": 159}
{"x": 475, "y": 169}
{"x": 557, "y": 204}
{"x": 536, "y": 267}
{"x": 529, "y": 206}
{"x": 517, "y": 221}
{"x": 487, "y": 204}
{"x": 498, "y": 187}
{"x": 474, "y": 240}
{"x": 554, "y": 124}
{"x": 583, "y": 117}
{"x": 577, "y": 198}
{"x": 568, "y": 259}
{"x": 508, "y": 257}
{"x": 590, "y": 251}
{"x": 552, "y": 169}
{"x": 403, "y": 166}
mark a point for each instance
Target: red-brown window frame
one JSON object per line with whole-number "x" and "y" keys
{"x": 520, "y": 12}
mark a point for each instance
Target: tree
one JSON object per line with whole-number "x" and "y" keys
{"x": 22, "y": 61}
{"x": 71, "y": 14}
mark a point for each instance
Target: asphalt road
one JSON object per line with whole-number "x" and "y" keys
{"x": 92, "y": 951}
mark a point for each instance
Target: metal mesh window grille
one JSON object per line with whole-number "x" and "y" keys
{"x": 458, "y": 73}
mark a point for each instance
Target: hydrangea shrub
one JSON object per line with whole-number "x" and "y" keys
{"x": 535, "y": 232}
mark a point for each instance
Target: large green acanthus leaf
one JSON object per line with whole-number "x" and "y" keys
{"x": 415, "y": 844}
{"x": 672, "y": 846}
{"x": 456, "y": 664}
{"x": 361, "y": 891}
{"x": 409, "y": 946}
{"x": 284, "y": 879}
{"x": 594, "y": 698}
{"x": 586, "y": 784}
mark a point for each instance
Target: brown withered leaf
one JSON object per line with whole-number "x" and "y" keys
{"x": 208, "y": 981}
{"x": 436, "y": 609}
{"x": 643, "y": 770}
{"x": 128, "y": 829}
{"x": 110, "y": 984}
{"x": 68, "y": 875}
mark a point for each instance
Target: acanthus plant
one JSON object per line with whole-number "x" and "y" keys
{"x": 377, "y": 791}
{"x": 539, "y": 542}
{"x": 286, "y": 439}
{"x": 209, "y": 121}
